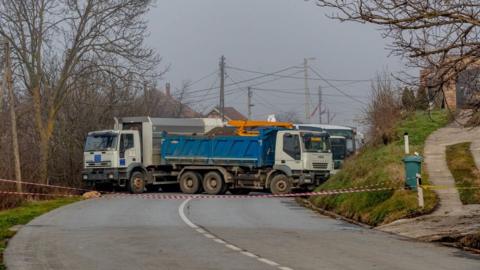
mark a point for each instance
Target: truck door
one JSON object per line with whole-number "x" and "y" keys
{"x": 290, "y": 154}
{"x": 128, "y": 150}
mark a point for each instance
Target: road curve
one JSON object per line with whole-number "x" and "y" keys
{"x": 141, "y": 233}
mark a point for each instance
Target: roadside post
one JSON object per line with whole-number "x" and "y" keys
{"x": 413, "y": 171}
{"x": 421, "y": 202}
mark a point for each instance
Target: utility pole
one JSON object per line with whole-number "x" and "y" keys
{"x": 330, "y": 117}
{"x": 250, "y": 105}
{"x": 7, "y": 72}
{"x": 2, "y": 87}
{"x": 320, "y": 112}
{"x": 222, "y": 88}
{"x": 307, "y": 91}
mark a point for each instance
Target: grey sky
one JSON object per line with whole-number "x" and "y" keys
{"x": 267, "y": 35}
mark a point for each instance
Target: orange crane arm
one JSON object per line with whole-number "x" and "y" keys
{"x": 243, "y": 125}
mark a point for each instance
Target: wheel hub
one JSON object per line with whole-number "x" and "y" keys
{"x": 189, "y": 183}
{"x": 137, "y": 183}
{"x": 281, "y": 186}
{"x": 213, "y": 183}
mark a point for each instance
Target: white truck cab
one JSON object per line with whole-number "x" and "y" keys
{"x": 107, "y": 152}
{"x": 305, "y": 154}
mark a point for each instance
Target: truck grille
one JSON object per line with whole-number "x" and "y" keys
{"x": 320, "y": 166}
{"x": 99, "y": 164}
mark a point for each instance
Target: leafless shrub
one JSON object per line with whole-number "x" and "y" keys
{"x": 383, "y": 111}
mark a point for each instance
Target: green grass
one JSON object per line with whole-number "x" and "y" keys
{"x": 378, "y": 164}
{"x": 22, "y": 215}
{"x": 462, "y": 166}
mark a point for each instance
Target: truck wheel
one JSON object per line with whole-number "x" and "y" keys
{"x": 213, "y": 183}
{"x": 281, "y": 184}
{"x": 189, "y": 183}
{"x": 137, "y": 183}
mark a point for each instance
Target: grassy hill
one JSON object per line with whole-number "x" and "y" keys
{"x": 383, "y": 163}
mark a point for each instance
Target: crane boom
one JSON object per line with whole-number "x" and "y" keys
{"x": 243, "y": 126}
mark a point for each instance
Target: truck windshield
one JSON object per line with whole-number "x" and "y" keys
{"x": 315, "y": 143}
{"x": 101, "y": 142}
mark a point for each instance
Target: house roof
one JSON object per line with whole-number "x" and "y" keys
{"x": 230, "y": 113}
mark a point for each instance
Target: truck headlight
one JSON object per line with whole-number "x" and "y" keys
{"x": 110, "y": 176}
{"x": 85, "y": 177}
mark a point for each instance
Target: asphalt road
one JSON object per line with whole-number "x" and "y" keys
{"x": 140, "y": 233}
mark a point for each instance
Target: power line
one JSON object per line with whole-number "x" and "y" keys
{"x": 274, "y": 79}
{"x": 300, "y": 78}
{"x": 241, "y": 87}
{"x": 298, "y": 93}
{"x": 204, "y": 77}
{"x": 336, "y": 88}
{"x": 244, "y": 81}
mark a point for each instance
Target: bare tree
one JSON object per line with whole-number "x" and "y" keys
{"x": 383, "y": 111}
{"x": 58, "y": 43}
{"x": 13, "y": 116}
{"x": 443, "y": 36}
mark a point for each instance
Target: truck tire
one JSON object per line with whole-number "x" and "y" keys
{"x": 136, "y": 184}
{"x": 281, "y": 184}
{"x": 213, "y": 183}
{"x": 190, "y": 182}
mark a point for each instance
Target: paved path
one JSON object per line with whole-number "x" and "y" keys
{"x": 277, "y": 234}
{"x": 451, "y": 216}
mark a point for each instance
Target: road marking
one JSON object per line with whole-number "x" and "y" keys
{"x": 220, "y": 241}
{"x": 249, "y": 254}
{"x": 233, "y": 247}
{"x": 186, "y": 220}
{"x": 267, "y": 261}
{"x": 209, "y": 235}
{"x": 181, "y": 212}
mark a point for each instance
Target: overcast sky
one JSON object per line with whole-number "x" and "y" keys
{"x": 266, "y": 36}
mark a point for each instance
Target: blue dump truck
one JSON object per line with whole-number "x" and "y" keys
{"x": 271, "y": 158}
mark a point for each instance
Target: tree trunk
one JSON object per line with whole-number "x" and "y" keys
{"x": 13, "y": 117}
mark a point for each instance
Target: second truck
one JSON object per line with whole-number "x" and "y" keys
{"x": 201, "y": 155}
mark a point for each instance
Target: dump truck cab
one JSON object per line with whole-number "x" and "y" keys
{"x": 111, "y": 155}
{"x": 304, "y": 155}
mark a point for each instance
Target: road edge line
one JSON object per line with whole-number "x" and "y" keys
{"x": 211, "y": 236}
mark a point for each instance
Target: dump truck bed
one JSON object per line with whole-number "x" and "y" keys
{"x": 251, "y": 151}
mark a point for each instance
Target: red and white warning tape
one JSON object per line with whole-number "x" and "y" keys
{"x": 36, "y": 194}
{"x": 383, "y": 186}
{"x": 50, "y": 186}
{"x": 289, "y": 195}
